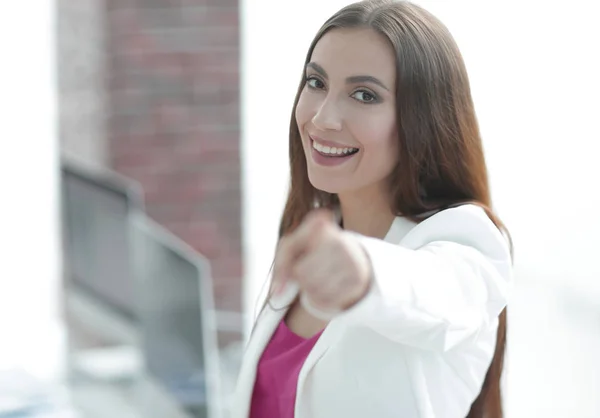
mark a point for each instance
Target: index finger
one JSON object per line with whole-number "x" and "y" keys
{"x": 294, "y": 245}
{"x": 315, "y": 222}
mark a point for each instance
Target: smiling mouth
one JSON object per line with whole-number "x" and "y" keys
{"x": 333, "y": 152}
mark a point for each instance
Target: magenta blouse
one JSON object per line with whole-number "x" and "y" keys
{"x": 274, "y": 393}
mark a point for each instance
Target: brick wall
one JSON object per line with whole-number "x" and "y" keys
{"x": 174, "y": 124}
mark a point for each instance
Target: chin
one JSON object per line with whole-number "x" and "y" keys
{"x": 327, "y": 185}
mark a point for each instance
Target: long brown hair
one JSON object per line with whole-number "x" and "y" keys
{"x": 441, "y": 161}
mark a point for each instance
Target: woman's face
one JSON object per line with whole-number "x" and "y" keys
{"x": 346, "y": 113}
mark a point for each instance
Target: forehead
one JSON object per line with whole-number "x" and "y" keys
{"x": 356, "y": 51}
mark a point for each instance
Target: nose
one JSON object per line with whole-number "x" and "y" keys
{"x": 328, "y": 117}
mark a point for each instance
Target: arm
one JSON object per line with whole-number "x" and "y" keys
{"x": 440, "y": 294}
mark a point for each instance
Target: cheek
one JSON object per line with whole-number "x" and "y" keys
{"x": 304, "y": 112}
{"x": 379, "y": 137}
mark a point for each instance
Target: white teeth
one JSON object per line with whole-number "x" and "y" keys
{"x": 323, "y": 149}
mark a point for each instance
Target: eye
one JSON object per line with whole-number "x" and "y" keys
{"x": 364, "y": 96}
{"x": 315, "y": 83}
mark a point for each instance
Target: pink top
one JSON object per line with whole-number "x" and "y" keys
{"x": 274, "y": 393}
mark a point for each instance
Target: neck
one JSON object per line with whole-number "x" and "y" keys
{"x": 367, "y": 213}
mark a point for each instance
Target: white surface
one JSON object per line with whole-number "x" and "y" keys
{"x": 113, "y": 363}
{"x": 22, "y": 395}
{"x": 141, "y": 399}
{"x": 30, "y": 264}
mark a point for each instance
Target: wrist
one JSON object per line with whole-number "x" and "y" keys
{"x": 366, "y": 284}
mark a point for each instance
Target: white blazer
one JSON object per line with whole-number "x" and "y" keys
{"x": 420, "y": 343}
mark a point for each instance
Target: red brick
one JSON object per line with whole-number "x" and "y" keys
{"x": 173, "y": 72}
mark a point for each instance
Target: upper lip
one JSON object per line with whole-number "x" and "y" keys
{"x": 328, "y": 143}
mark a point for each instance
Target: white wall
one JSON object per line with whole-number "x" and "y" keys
{"x": 536, "y": 88}
{"x": 82, "y": 95}
{"x": 29, "y": 264}
{"x": 535, "y": 72}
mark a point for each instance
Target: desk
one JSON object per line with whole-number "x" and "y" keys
{"x": 105, "y": 374}
{"x": 140, "y": 398}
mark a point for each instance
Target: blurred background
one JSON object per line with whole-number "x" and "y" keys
{"x": 145, "y": 169}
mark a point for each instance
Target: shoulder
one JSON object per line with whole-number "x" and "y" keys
{"x": 467, "y": 225}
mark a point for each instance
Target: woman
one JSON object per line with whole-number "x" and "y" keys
{"x": 396, "y": 307}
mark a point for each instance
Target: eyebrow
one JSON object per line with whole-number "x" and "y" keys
{"x": 350, "y": 80}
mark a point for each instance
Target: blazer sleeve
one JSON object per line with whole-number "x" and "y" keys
{"x": 452, "y": 285}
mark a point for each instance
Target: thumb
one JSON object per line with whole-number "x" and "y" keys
{"x": 319, "y": 218}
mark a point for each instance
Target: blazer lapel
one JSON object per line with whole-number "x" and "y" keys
{"x": 260, "y": 337}
{"x": 327, "y": 338}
